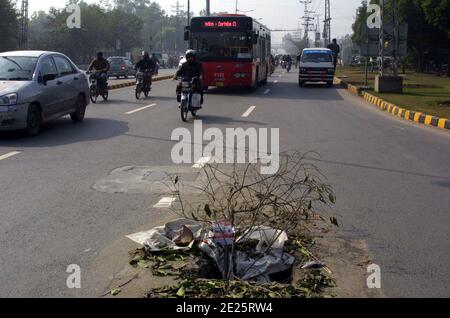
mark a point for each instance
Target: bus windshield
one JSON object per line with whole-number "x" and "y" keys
{"x": 213, "y": 46}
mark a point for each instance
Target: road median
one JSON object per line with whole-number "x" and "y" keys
{"x": 395, "y": 110}
{"x": 132, "y": 83}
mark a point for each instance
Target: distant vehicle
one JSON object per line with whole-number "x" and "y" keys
{"x": 316, "y": 65}
{"x": 163, "y": 59}
{"x": 121, "y": 67}
{"x": 38, "y": 86}
{"x": 234, "y": 50}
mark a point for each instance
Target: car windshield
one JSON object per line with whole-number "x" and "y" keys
{"x": 223, "y": 46}
{"x": 17, "y": 68}
{"x": 317, "y": 58}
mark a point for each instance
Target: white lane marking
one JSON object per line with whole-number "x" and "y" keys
{"x": 249, "y": 111}
{"x": 9, "y": 154}
{"x": 201, "y": 162}
{"x": 140, "y": 109}
{"x": 165, "y": 202}
{"x": 267, "y": 91}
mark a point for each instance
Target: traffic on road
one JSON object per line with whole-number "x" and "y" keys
{"x": 224, "y": 160}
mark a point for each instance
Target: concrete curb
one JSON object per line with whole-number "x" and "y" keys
{"x": 132, "y": 83}
{"x": 395, "y": 110}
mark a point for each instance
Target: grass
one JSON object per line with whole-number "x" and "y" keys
{"x": 424, "y": 93}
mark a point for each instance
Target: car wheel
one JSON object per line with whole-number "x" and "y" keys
{"x": 301, "y": 83}
{"x": 34, "y": 120}
{"x": 329, "y": 84}
{"x": 80, "y": 110}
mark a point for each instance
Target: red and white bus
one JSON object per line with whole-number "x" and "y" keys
{"x": 234, "y": 50}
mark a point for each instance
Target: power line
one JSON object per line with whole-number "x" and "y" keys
{"x": 308, "y": 19}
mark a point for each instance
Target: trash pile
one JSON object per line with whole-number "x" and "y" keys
{"x": 258, "y": 253}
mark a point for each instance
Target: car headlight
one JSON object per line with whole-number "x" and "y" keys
{"x": 8, "y": 100}
{"x": 303, "y": 70}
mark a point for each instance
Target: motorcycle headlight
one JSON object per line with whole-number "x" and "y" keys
{"x": 8, "y": 100}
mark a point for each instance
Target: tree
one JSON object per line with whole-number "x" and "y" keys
{"x": 437, "y": 13}
{"x": 9, "y": 26}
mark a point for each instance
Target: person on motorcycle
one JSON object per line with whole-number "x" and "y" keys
{"x": 190, "y": 69}
{"x": 146, "y": 66}
{"x": 101, "y": 67}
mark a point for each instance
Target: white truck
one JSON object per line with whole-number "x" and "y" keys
{"x": 316, "y": 65}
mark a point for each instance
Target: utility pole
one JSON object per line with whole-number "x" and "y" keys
{"x": 389, "y": 35}
{"x": 389, "y": 47}
{"x": 317, "y": 30}
{"x": 208, "y": 8}
{"x": 177, "y": 10}
{"x": 308, "y": 20}
{"x": 23, "y": 36}
{"x": 188, "y": 12}
{"x": 237, "y": 10}
{"x": 327, "y": 23}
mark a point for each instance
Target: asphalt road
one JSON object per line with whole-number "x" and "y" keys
{"x": 392, "y": 180}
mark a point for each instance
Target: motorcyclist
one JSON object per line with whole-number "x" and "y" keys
{"x": 145, "y": 65}
{"x": 190, "y": 69}
{"x": 288, "y": 60}
{"x": 101, "y": 66}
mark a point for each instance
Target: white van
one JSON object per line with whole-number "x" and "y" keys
{"x": 316, "y": 65}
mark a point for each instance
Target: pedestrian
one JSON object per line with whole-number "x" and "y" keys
{"x": 336, "y": 50}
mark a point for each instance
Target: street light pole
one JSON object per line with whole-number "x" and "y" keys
{"x": 208, "y": 8}
{"x": 237, "y": 7}
{"x": 188, "y": 12}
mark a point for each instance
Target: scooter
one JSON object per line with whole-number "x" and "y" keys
{"x": 190, "y": 99}
{"x": 143, "y": 86}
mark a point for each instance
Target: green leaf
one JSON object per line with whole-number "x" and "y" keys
{"x": 333, "y": 198}
{"x": 116, "y": 291}
{"x": 181, "y": 292}
{"x": 143, "y": 264}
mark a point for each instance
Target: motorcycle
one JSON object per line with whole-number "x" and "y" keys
{"x": 96, "y": 91}
{"x": 190, "y": 99}
{"x": 143, "y": 86}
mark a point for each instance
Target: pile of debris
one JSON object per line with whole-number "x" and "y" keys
{"x": 255, "y": 261}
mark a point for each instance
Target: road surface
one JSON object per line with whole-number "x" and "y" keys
{"x": 392, "y": 180}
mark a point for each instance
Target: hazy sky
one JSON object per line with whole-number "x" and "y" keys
{"x": 279, "y": 14}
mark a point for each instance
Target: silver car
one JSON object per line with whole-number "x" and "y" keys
{"x": 36, "y": 87}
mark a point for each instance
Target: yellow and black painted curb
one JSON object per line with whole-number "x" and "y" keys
{"x": 395, "y": 110}
{"x": 132, "y": 83}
